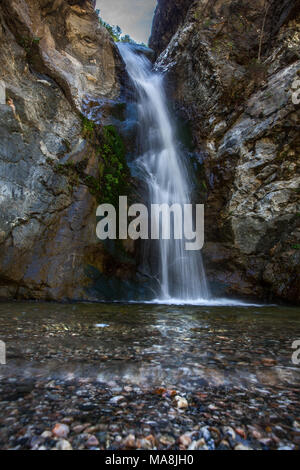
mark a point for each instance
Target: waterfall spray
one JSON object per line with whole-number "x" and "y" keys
{"x": 180, "y": 273}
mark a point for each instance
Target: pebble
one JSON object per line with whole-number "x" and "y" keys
{"x": 228, "y": 431}
{"x": 241, "y": 433}
{"x": 205, "y": 433}
{"x": 181, "y": 402}
{"x": 224, "y": 445}
{"x": 224, "y": 404}
{"x": 116, "y": 400}
{"x": 242, "y": 447}
{"x": 63, "y": 444}
{"x": 129, "y": 442}
{"x": 184, "y": 441}
{"x": 79, "y": 428}
{"x": 167, "y": 440}
{"x": 92, "y": 442}
{"x": 61, "y": 430}
{"x": 144, "y": 444}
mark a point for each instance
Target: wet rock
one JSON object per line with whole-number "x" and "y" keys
{"x": 36, "y": 441}
{"x": 146, "y": 444}
{"x": 167, "y": 440}
{"x": 184, "y": 441}
{"x": 205, "y": 433}
{"x": 79, "y": 428}
{"x": 228, "y": 431}
{"x": 169, "y": 14}
{"x": 224, "y": 445}
{"x": 116, "y": 400}
{"x": 286, "y": 448}
{"x": 242, "y": 447}
{"x": 181, "y": 402}
{"x": 92, "y": 442}
{"x": 239, "y": 114}
{"x": 61, "y": 430}
{"x": 255, "y": 407}
{"x": 241, "y": 432}
{"x": 129, "y": 442}
{"x": 269, "y": 362}
{"x": 63, "y": 444}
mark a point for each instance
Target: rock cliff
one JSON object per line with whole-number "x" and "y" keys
{"x": 56, "y": 62}
{"x": 233, "y": 76}
{"x": 232, "y": 69}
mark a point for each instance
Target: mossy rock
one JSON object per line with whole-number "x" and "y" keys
{"x": 113, "y": 179}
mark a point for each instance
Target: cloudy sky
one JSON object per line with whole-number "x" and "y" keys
{"x": 133, "y": 16}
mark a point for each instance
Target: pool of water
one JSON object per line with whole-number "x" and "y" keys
{"x": 71, "y": 362}
{"x": 152, "y": 343}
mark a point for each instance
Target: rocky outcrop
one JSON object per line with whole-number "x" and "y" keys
{"x": 64, "y": 40}
{"x": 56, "y": 60}
{"x": 231, "y": 68}
{"x": 168, "y": 16}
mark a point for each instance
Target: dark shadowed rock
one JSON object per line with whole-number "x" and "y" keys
{"x": 231, "y": 67}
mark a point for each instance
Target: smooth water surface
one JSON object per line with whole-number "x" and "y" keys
{"x": 116, "y": 374}
{"x": 152, "y": 344}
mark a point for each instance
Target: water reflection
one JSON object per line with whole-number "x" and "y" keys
{"x": 152, "y": 345}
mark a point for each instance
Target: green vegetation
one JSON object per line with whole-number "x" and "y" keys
{"x": 116, "y": 31}
{"x": 296, "y": 247}
{"x": 115, "y": 171}
{"x": 28, "y": 43}
{"x": 88, "y": 127}
{"x": 126, "y": 38}
{"x": 113, "y": 176}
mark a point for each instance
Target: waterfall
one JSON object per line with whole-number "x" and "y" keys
{"x": 179, "y": 273}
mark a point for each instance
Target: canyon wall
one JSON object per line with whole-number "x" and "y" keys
{"x": 57, "y": 62}
{"x": 231, "y": 68}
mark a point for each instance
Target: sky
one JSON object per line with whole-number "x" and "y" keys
{"x": 133, "y": 16}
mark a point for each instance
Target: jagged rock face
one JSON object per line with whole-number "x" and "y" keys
{"x": 52, "y": 54}
{"x": 233, "y": 83}
{"x": 168, "y": 16}
{"x": 66, "y": 42}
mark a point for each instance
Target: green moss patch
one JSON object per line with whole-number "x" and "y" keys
{"x": 115, "y": 175}
{"x": 113, "y": 179}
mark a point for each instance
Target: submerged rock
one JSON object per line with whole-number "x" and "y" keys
{"x": 63, "y": 444}
{"x": 61, "y": 430}
{"x": 181, "y": 402}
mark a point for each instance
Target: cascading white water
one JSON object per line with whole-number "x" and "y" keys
{"x": 180, "y": 273}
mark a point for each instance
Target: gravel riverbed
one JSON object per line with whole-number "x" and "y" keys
{"x": 90, "y": 376}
